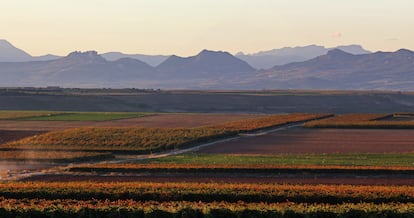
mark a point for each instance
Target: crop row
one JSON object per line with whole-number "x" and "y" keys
{"x": 208, "y": 192}
{"x": 360, "y": 121}
{"x": 182, "y": 209}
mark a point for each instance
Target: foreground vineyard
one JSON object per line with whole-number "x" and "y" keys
{"x": 141, "y": 199}
{"x": 182, "y": 209}
{"x": 208, "y": 192}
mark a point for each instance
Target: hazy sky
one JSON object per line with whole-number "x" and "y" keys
{"x": 185, "y": 27}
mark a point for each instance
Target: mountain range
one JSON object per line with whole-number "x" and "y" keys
{"x": 89, "y": 69}
{"x": 336, "y": 69}
{"x": 259, "y": 60}
{"x": 268, "y": 59}
{"x": 341, "y": 70}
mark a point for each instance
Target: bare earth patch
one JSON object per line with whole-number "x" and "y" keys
{"x": 320, "y": 141}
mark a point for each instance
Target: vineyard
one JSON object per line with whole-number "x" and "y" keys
{"x": 377, "y": 121}
{"x": 147, "y": 140}
{"x": 142, "y": 199}
{"x": 269, "y": 121}
{"x": 142, "y": 140}
{"x": 94, "y": 171}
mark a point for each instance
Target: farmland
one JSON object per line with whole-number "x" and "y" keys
{"x": 147, "y": 140}
{"x": 12, "y": 135}
{"x": 162, "y": 120}
{"x": 270, "y": 166}
{"x": 66, "y": 116}
{"x": 364, "y": 121}
{"x": 320, "y": 141}
{"x": 354, "y": 159}
{"x": 203, "y": 199}
{"x": 52, "y": 156}
{"x": 86, "y": 116}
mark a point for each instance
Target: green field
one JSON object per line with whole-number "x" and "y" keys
{"x": 68, "y": 116}
{"x": 314, "y": 159}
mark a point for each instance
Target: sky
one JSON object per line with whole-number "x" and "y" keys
{"x": 185, "y": 27}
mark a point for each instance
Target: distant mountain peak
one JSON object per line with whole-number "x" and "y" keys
{"x": 9, "y": 52}
{"x": 338, "y": 52}
{"x": 206, "y": 51}
{"x": 206, "y": 61}
{"x": 88, "y": 55}
{"x": 5, "y": 42}
{"x": 209, "y": 54}
{"x": 404, "y": 51}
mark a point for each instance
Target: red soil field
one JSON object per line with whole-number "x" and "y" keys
{"x": 225, "y": 179}
{"x": 161, "y": 120}
{"x": 320, "y": 141}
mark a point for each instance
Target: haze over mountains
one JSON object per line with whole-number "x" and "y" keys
{"x": 336, "y": 69}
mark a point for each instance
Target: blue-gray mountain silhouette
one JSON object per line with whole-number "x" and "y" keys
{"x": 336, "y": 69}
{"x": 9, "y": 53}
{"x": 268, "y": 59}
{"x": 340, "y": 70}
{"x": 207, "y": 63}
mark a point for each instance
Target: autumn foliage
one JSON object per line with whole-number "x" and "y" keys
{"x": 140, "y": 199}
{"x": 146, "y": 140}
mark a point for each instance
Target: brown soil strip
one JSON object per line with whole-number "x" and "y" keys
{"x": 320, "y": 141}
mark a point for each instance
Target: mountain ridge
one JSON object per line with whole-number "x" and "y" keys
{"x": 336, "y": 69}
{"x": 281, "y": 56}
{"x": 341, "y": 70}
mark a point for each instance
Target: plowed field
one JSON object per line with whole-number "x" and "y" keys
{"x": 320, "y": 141}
